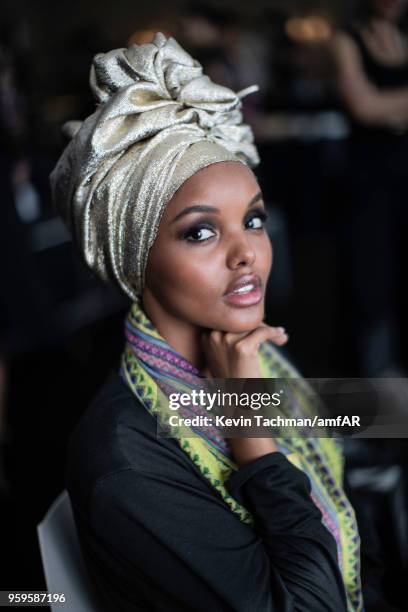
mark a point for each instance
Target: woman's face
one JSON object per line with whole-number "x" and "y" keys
{"x": 391, "y": 10}
{"x": 211, "y": 258}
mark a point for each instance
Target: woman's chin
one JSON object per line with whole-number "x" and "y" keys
{"x": 243, "y": 322}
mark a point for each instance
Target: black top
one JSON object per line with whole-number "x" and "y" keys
{"x": 157, "y": 536}
{"x": 383, "y": 77}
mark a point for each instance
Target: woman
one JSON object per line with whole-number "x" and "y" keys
{"x": 372, "y": 77}
{"x": 157, "y": 190}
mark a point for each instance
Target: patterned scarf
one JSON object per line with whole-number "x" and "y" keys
{"x": 153, "y": 370}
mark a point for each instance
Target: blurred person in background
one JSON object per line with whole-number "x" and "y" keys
{"x": 371, "y": 57}
{"x": 26, "y": 321}
{"x": 12, "y": 169}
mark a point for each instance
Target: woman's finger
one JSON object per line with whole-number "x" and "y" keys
{"x": 250, "y": 344}
{"x": 277, "y": 334}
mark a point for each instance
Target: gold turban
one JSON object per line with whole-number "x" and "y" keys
{"x": 159, "y": 120}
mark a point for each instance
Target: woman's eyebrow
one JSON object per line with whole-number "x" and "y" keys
{"x": 206, "y": 208}
{"x": 255, "y": 199}
{"x": 195, "y": 209}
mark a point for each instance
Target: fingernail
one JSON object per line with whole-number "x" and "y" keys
{"x": 282, "y": 330}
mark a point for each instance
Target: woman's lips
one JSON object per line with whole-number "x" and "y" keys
{"x": 245, "y": 291}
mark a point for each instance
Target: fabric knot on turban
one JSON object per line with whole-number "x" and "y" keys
{"x": 159, "y": 120}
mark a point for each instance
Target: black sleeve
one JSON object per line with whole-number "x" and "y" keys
{"x": 178, "y": 539}
{"x": 298, "y": 545}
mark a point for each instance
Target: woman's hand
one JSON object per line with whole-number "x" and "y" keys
{"x": 246, "y": 450}
{"x": 231, "y": 355}
{"x": 236, "y": 356}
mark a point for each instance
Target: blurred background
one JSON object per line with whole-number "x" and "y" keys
{"x": 331, "y": 125}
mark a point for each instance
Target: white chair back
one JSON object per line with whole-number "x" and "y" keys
{"x": 64, "y": 567}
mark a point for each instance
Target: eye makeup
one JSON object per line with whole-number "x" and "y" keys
{"x": 204, "y": 229}
{"x": 258, "y": 212}
{"x": 201, "y": 227}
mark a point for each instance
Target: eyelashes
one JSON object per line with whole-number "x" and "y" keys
{"x": 262, "y": 215}
{"x": 198, "y": 233}
{"x": 204, "y": 230}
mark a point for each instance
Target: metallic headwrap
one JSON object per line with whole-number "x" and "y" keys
{"x": 159, "y": 120}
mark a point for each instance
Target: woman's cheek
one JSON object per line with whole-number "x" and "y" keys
{"x": 266, "y": 257}
{"x": 194, "y": 270}
{"x": 198, "y": 283}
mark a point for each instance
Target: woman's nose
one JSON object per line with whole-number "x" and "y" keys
{"x": 240, "y": 253}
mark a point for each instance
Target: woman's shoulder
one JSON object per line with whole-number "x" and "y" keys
{"x": 114, "y": 434}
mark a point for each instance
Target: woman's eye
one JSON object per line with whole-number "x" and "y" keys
{"x": 257, "y": 221}
{"x": 199, "y": 234}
